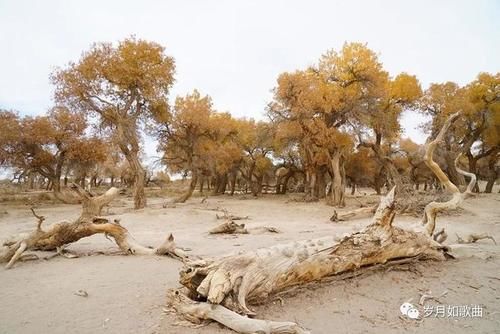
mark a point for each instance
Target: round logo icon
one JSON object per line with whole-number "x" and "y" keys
{"x": 409, "y": 310}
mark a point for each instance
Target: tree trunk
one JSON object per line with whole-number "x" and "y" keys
{"x": 139, "y": 178}
{"x": 31, "y": 181}
{"x": 379, "y": 181}
{"x": 233, "y": 182}
{"x": 492, "y": 173}
{"x": 126, "y": 132}
{"x": 473, "y": 168}
{"x": 192, "y": 187}
{"x": 338, "y": 185}
{"x": 56, "y": 184}
{"x": 311, "y": 193}
{"x": 320, "y": 191}
{"x": 220, "y": 185}
{"x": 455, "y": 177}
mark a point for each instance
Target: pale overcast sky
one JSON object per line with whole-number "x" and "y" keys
{"x": 234, "y": 50}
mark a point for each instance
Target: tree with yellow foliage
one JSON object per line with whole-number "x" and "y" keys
{"x": 184, "y": 137}
{"x": 125, "y": 86}
{"x": 475, "y": 132}
{"x": 380, "y": 117}
{"x": 255, "y": 142}
{"x": 322, "y": 103}
{"x": 45, "y": 145}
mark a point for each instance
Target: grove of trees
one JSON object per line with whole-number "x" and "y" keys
{"x": 333, "y": 125}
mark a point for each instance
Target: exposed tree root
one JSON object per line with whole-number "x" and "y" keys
{"x": 472, "y": 238}
{"x": 89, "y": 223}
{"x": 250, "y": 277}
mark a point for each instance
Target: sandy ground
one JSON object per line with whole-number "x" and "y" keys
{"x": 126, "y": 293}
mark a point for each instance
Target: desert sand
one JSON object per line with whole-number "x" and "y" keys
{"x": 126, "y": 294}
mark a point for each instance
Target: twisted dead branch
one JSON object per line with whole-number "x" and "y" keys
{"x": 473, "y": 238}
{"x": 432, "y": 209}
{"x": 89, "y": 223}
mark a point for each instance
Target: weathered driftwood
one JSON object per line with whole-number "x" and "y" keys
{"x": 250, "y": 277}
{"x": 474, "y": 237}
{"x": 432, "y": 209}
{"x": 89, "y": 223}
{"x": 440, "y": 236}
{"x": 199, "y": 312}
{"x": 231, "y": 217}
{"x": 229, "y": 227}
{"x": 354, "y": 214}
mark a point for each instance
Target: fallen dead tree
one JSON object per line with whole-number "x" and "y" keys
{"x": 353, "y": 214}
{"x": 89, "y": 223}
{"x": 222, "y": 289}
{"x": 251, "y": 277}
{"x": 229, "y": 227}
{"x": 474, "y": 237}
{"x": 226, "y": 215}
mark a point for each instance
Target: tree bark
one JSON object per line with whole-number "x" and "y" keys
{"x": 139, "y": 178}
{"x": 338, "y": 184}
{"x": 129, "y": 145}
{"x": 492, "y": 173}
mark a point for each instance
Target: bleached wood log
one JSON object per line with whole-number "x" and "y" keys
{"x": 353, "y": 214}
{"x": 250, "y": 277}
{"x": 474, "y": 237}
{"x": 197, "y": 312}
{"x": 229, "y": 227}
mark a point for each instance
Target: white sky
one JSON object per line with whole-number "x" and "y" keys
{"x": 234, "y": 50}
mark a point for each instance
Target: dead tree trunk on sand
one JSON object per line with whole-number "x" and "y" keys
{"x": 220, "y": 289}
{"x": 192, "y": 186}
{"x": 356, "y": 213}
{"x": 89, "y": 223}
